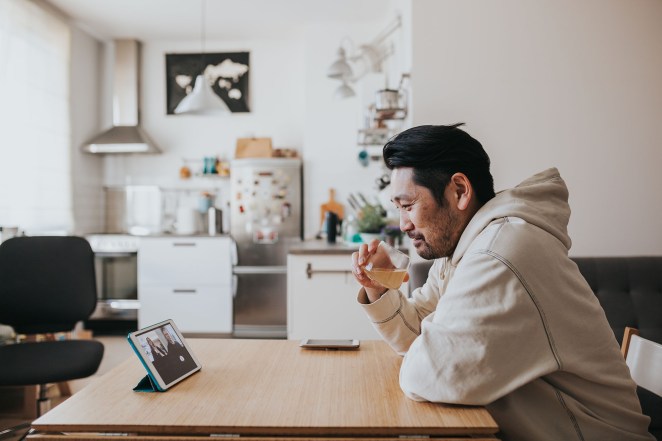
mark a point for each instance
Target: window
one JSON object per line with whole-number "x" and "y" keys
{"x": 35, "y": 145}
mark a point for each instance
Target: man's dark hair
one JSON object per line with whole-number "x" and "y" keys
{"x": 436, "y": 153}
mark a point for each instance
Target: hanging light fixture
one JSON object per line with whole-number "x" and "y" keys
{"x": 368, "y": 58}
{"x": 344, "y": 91}
{"x": 202, "y": 100}
{"x": 340, "y": 69}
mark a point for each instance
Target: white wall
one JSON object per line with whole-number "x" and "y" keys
{"x": 85, "y": 82}
{"x": 331, "y": 124}
{"x": 276, "y": 110}
{"x": 565, "y": 83}
{"x": 275, "y": 100}
{"x": 291, "y": 101}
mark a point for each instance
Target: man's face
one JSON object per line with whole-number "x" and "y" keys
{"x": 434, "y": 230}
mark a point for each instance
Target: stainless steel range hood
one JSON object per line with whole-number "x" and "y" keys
{"x": 126, "y": 135}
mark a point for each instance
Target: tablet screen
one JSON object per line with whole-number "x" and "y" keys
{"x": 164, "y": 347}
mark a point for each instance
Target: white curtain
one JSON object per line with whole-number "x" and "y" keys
{"x": 35, "y": 156}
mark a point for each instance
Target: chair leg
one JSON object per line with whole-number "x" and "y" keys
{"x": 43, "y": 402}
{"x": 13, "y": 432}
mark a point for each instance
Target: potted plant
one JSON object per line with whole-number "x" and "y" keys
{"x": 371, "y": 222}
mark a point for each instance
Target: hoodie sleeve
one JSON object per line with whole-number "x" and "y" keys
{"x": 398, "y": 318}
{"x": 484, "y": 340}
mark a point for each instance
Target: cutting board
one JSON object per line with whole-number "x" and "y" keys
{"x": 331, "y": 205}
{"x": 253, "y": 148}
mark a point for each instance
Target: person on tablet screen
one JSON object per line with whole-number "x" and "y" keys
{"x": 175, "y": 348}
{"x": 163, "y": 360}
{"x": 505, "y": 318}
{"x": 157, "y": 350}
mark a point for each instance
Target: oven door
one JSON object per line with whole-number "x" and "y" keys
{"x": 117, "y": 285}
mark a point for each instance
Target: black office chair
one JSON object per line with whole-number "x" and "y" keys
{"x": 47, "y": 285}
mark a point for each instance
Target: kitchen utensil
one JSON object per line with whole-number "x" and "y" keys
{"x": 333, "y": 206}
{"x": 331, "y": 225}
{"x": 363, "y": 199}
{"x": 387, "y": 99}
{"x": 8, "y": 233}
{"x": 364, "y": 158}
{"x": 187, "y": 219}
{"x": 214, "y": 221}
{"x": 356, "y": 202}
{"x": 387, "y": 266}
{"x": 205, "y": 201}
{"x": 383, "y": 181}
{"x": 352, "y": 205}
{"x": 144, "y": 209}
{"x": 391, "y": 103}
{"x": 253, "y": 148}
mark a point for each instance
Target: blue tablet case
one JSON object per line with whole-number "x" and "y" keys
{"x": 147, "y": 385}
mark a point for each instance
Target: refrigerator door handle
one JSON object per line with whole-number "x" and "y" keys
{"x": 235, "y": 285}
{"x": 234, "y": 254}
{"x": 259, "y": 270}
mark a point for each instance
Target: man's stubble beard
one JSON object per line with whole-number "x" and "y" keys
{"x": 445, "y": 237}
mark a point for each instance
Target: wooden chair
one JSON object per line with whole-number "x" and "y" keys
{"x": 644, "y": 358}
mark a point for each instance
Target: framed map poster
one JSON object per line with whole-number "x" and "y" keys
{"x": 227, "y": 72}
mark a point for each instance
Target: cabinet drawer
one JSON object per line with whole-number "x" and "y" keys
{"x": 194, "y": 308}
{"x": 321, "y": 300}
{"x": 184, "y": 260}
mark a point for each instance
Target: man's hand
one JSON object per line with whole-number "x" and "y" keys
{"x": 359, "y": 258}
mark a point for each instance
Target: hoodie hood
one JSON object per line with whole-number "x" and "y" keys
{"x": 541, "y": 200}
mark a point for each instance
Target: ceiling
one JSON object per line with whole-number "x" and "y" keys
{"x": 224, "y": 19}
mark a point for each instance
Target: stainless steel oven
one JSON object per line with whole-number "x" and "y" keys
{"x": 116, "y": 265}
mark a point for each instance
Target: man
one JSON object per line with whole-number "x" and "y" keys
{"x": 505, "y": 318}
{"x": 175, "y": 348}
{"x": 179, "y": 361}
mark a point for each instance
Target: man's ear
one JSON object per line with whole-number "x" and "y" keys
{"x": 463, "y": 192}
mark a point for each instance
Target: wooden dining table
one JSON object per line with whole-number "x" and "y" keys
{"x": 263, "y": 389}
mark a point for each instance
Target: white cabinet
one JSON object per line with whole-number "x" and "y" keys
{"x": 321, "y": 299}
{"x": 187, "y": 279}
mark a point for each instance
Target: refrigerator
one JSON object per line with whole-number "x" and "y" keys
{"x": 266, "y": 218}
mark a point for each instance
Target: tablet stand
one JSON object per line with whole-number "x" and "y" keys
{"x": 146, "y": 385}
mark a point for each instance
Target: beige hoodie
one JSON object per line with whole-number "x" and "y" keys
{"x": 509, "y": 322}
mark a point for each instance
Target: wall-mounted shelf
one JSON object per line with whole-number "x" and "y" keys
{"x": 390, "y": 114}
{"x": 374, "y": 136}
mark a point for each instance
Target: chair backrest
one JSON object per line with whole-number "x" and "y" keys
{"x": 629, "y": 290}
{"x": 47, "y": 284}
{"x": 418, "y": 273}
{"x": 644, "y": 358}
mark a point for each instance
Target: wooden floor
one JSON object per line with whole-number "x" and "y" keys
{"x": 16, "y": 404}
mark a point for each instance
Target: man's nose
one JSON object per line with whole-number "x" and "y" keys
{"x": 405, "y": 222}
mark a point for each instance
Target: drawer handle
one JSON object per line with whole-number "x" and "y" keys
{"x": 184, "y": 291}
{"x": 184, "y": 244}
{"x": 310, "y": 271}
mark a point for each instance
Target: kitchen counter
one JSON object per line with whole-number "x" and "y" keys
{"x": 309, "y": 247}
{"x": 322, "y": 247}
{"x": 178, "y": 235}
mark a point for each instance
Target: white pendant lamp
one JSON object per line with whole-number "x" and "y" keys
{"x": 367, "y": 57}
{"x": 344, "y": 91}
{"x": 202, "y": 100}
{"x": 340, "y": 69}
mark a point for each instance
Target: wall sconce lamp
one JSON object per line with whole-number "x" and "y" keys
{"x": 366, "y": 58}
{"x": 202, "y": 100}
